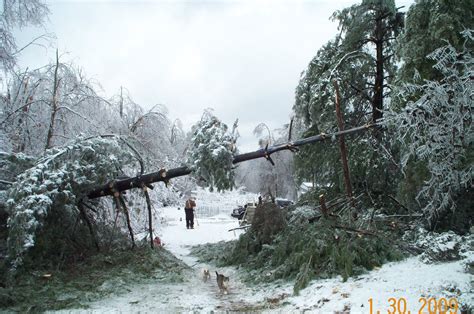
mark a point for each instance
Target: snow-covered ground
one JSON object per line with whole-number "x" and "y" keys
{"x": 410, "y": 279}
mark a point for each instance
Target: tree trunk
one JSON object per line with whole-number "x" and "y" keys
{"x": 54, "y": 105}
{"x": 150, "y": 217}
{"x": 121, "y": 202}
{"x": 342, "y": 145}
{"x": 121, "y": 103}
{"x": 377, "y": 102}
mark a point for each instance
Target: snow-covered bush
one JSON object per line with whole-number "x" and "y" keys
{"x": 11, "y": 165}
{"x": 467, "y": 253}
{"x": 437, "y": 129}
{"x": 56, "y": 184}
{"x": 434, "y": 247}
{"x": 442, "y": 247}
{"x": 439, "y": 247}
{"x": 212, "y": 151}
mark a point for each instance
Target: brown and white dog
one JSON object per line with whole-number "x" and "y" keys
{"x": 222, "y": 283}
{"x": 206, "y": 275}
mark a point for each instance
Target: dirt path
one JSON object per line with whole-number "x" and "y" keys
{"x": 240, "y": 297}
{"x": 194, "y": 294}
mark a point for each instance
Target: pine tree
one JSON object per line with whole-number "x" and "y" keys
{"x": 360, "y": 57}
{"x": 429, "y": 25}
{"x": 211, "y": 153}
{"x": 436, "y": 129}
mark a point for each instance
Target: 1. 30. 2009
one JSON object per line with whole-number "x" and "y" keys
{"x": 426, "y": 306}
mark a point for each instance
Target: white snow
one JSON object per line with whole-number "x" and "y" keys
{"x": 178, "y": 239}
{"x": 410, "y": 279}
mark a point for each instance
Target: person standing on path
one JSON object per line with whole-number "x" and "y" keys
{"x": 189, "y": 210}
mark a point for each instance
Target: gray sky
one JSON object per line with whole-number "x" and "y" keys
{"x": 242, "y": 58}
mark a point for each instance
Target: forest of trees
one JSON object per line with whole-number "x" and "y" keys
{"x": 411, "y": 71}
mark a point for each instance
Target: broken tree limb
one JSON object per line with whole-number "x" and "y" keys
{"x": 342, "y": 144}
{"x": 365, "y": 232}
{"x": 242, "y": 227}
{"x": 120, "y": 202}
{"x": 150, "y": 216}
{"x": 166, "y": 175}
{"x": 398, "y": 202}
{"x": 136, "y": 182}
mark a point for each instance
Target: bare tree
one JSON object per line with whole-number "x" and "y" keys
{"x": 17, "y": 13}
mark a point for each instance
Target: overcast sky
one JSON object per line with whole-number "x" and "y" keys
{"x": 242, "y": 58}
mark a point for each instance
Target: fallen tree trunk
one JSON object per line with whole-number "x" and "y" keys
{"x": 165, "y": 175}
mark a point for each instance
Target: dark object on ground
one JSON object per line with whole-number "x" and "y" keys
{"x": 238, "y": 213}
{"x": 282, "y": 203}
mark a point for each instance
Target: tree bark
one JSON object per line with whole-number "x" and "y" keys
{"x": 54, "y": 105}
{"x": 150, "y": 216}
{"x": 121, "y": 202}
{"x": 342, "y": 144}
{"x": 377, "y": 102}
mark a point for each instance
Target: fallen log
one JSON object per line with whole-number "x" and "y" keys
{"x": 165, "y": 175}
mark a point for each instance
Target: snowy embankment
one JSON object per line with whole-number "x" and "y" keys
{"x": 410, "y": 279}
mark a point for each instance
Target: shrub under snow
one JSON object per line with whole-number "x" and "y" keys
{"x": 58, "y": 182}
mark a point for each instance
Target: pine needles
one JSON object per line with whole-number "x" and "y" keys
{"x": 286, "y": 245}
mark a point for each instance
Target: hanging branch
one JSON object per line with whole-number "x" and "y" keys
{"x": 166, "y": 175}
{"x": 120, "y": 202}
{"x": 150, "y": 222}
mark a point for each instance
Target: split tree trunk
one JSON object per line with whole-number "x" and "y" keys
{"x": 120, "y": 202}
{"x": 54, "y": 105}
{"x": 150, "y": 216}
{"x": 342, "y": 144}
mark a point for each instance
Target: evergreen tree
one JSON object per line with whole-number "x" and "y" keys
{"x": 429, "y": 25}
{"x": 436, "y": 129}
{"x": 211, "y": 153}
{"x": 360, "y": 57}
